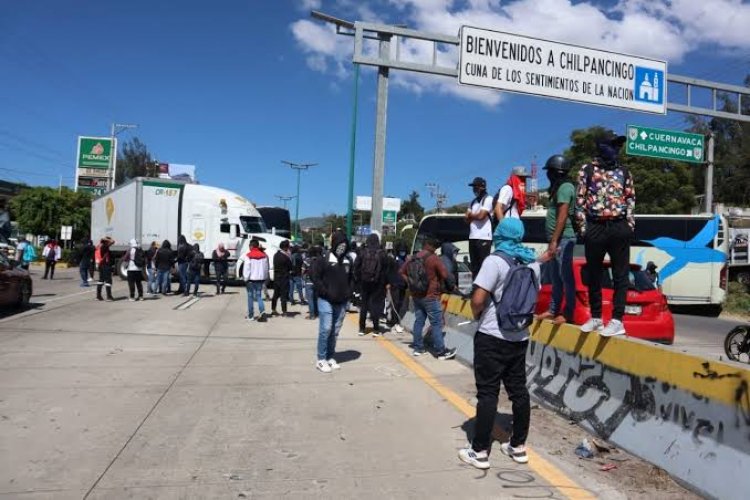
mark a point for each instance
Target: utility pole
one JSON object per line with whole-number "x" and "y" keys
{"x": 710, "y": 174}
{"x": 284, "y": 199}
{"x": 116, "y": 129}
{"x": 299, "y": 167}
{"x": 439, "y": 196}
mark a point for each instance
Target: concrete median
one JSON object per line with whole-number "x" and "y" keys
{"x": 683, "y": 413}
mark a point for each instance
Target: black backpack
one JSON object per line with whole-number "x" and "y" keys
{"x": 372, "y": 268}
{"x": 197, "y": 262}
{"x": 139, "y": 259}
{"x": 416, "y": 275}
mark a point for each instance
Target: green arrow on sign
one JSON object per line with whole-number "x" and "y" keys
{"x": 665, "y": 144}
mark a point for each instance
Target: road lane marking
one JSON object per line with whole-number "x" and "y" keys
{"x": 554, "y": 476}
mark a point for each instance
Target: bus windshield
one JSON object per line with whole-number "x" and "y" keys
{"x": 253, "y": 224}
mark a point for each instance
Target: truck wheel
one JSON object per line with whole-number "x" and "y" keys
{"x": 122, "y": 269}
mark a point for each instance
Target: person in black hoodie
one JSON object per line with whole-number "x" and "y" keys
{"x": 332, "y": 283}
{"x": 448, "y": 252}
{"x": 86, "y": 259}
{"x": 282, "y": 270}
{"x": 370, "y": 272}
{"x": 184, "y": 257}
{"x": 105, "y": 269}
{"x": 220, "y": 258}
{"x": 396, "y": 289}
{"x": 163, "y": 261}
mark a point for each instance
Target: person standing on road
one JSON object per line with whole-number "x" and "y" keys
{"x": 370, "y": 272}
{"x": 282, "y": 270}
{"x": 105, "y": 264}
{"x": 86, "y": 259}
{"x": 480, "y": 224}
{"x": 151, "y": 272}
{"x": 562, "y": 240}
{"x": 396, "y": 290}
{"x": 136, "y": 260}
{"x": 51, "y": 254}
{"x": 605, "y": 208}
{"x": 332, "y": 281}
{"x": 220, "y": 258}
{"x": 295, "y": 279}
{"x": 184, "y": 251}
{"x": 511, "y": 199}
{"x": 255, "y": 273}
{"x": 163, "y": 261}
{"x": 28, "y": 255}
{"x": 309, "y": 261}
{"x": 500, "y": 356}
{"x": 425, "y": 273}
{"x": 20, "y": 249}
{"x": 195, "y": 265}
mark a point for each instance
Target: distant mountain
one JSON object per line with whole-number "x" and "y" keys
{"x": 312, "y": 222}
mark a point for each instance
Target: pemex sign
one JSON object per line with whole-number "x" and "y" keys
{"x": 94, "y": 152}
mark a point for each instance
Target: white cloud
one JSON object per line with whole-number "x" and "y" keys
{"x": 664, "y": 29}
{"x": 310, "y": 4}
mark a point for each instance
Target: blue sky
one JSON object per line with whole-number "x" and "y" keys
{"x": 235, "y": 87}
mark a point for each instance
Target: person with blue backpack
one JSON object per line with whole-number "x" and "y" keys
{"x": 504, "y": 299}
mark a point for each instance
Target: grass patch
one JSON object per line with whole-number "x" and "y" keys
{"x": 738, "y": 300}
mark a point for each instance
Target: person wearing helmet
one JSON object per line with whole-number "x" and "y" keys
{"x": 562, "y": 240}
{"x": 479, "y": 218}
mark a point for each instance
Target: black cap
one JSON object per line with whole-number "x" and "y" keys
{"x": 478, "y": 182}
{"x": 557, "y": 163}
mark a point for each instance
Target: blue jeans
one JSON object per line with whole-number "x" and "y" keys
{"x": 331, "y": 317}
{"x": 563, "y": 280}
{"x": 151, "y": 274}
{"x": 193, "y": 279}
{"x": 182, "y": 269}
{"x": 311, "y": 301}
{"x": 424, "y": 309}
{"x": 163, "y": 280}
{"x": 84, "y": 275}
{"x": 295, "y": 283}
{"x": 254, "y": 293}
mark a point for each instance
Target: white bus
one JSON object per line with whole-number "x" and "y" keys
{"x": 690, "y": 250}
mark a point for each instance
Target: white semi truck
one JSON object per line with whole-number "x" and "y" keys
{"x": 160, "y": 209}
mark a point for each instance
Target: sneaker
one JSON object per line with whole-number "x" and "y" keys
{"x": 140, "y": 298}
{"x": 362, "y": 333}
{"x": 447, "y": 354}
{"x": 592, "y": 325}
{"x": 478, "y": 459}
{"x": 262, "y": 318}
{"x": 399, "y": 329}
{"x": 417, "y": 352}
{"x": 614, "y": 327}
{"x": 323, "y": 366}
{"x": 517, "y": 454}
{"x": 250, "y": 318}
{"x": 377, "y": 333}
{"x": 110, "y": 299}
{"x": 131, "y": 299}
{"x": 333, "y": 364}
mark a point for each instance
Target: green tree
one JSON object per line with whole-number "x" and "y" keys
{"x": 42, "y": 210}
{"x": 135, "y": 160}
{"x": 661, "y": 187}
{"x": 412, "y": 207}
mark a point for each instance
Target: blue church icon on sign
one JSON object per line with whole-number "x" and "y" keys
{"x": 649, "y": 85}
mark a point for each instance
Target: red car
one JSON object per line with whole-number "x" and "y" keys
{"x": 647, "y": 315}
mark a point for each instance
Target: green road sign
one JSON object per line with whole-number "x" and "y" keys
{"x": 94, "y": 152}
{"x": 666, "y": 144}
{"x": 389, "y": 217}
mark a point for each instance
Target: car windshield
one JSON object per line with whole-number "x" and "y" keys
{"x": 637, "y": 279}
{"x": 253, "y": 224}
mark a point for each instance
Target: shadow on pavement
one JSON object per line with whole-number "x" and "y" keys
{"x": 346, "y": 356}
{"x": 503, "y": 421}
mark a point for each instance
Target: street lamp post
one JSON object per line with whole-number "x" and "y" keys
{"x": 116, "y": 129}
{"x": 284, "y": 199}
{"x": 299, "y": 167}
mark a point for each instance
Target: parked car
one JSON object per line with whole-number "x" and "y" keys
{"x": 647, "y": 314}
{"x": 15, "y": 284}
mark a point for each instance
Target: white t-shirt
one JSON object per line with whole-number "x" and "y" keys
{"x": 481, "y": 229}
{"x": 131, "y": 261}
{"x": 491, "y": 277}
{"x": 505, "y": 198}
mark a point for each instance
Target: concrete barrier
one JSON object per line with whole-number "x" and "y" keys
{"x": 683, "y": 413}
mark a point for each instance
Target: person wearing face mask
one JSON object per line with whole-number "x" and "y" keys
{"x": 605, "y": 219}
{"x": 479, "y": 219}
{"x": 397, "y": 287}
{"x": 332, "y": 281}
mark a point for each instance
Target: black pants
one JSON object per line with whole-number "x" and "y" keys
{"x": 49, "y": 269}
{"x": 478, "y": 251}
{"x": 221, "y": 280}
{"x": 613, "y": 238}
{"x": 135, "y": 280}
{"x": 398, "y": 305}
{"x": 105, "y": 279}
{"x": 496, "y": 361}
{"x": 373, "y": 301}
{"x": 280, "y": 291}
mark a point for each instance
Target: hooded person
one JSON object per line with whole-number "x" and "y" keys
{"x": 85, "y": 260}
{"x": 370, "y": 272}
{"x": 195, "y": 265}
{"x": 183, "y": 262}
{"x": 605, "y": 219}
{"x": 136, "y": 260}
{"x": 164, "y": 259}
{"x": 332, "y": 282}
{"x": 255, "y": 270}
{"x": 220, "y": 258}
{"x": 448, "y": 253}
{"x": 396, "y": 291}
{"x": 282, "y": 271}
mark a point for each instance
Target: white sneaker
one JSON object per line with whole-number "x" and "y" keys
{"x": 517, "y": 454}
{"x": 399, "y": 329}
{"x": 478, "y": 459}
{"x": 417, "y": 352}
{"x": 333, "y": 364}
{"x": 592, "y": 325}
{"x": 614, "y": 327}
{"x": 323, "y": 366}
{"x": 362, "y": 333}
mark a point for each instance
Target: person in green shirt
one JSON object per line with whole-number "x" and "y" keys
{"x": 562, "y": 240}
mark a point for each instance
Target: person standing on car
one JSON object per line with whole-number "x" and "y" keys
{"x": 370, "y": 272}
{"x": 105, "y": 264}
{"x": 500, "y": 356}
{"x": 562, "y": 240}
{"x": 136, "y": 260}
{"x": 163, "y": 261}
{"x": 86, "y": 259}
{"x": 480, "y": 224}
{"x": 255, "y": 273}
{"x": 511, "y": 199}
{"x": 332, "y": 279}
{"x": 605, "y": 216}
{"x": 220, "y": 258}
{"x": 184, "y": 256}
{"x": 425, "y": 273}
{"x": 282, "y": 270}
{"x": 195, "y": 265}
{"x": 51, "y": 254}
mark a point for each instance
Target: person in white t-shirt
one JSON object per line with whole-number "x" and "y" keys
{"x": 511, "y": 199}
{"x": 479, "y": 218}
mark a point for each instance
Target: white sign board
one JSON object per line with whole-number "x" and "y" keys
{"x": 364, "y": 203}
{"x": 516, "y": 63}
{"x": 66, "y": 233}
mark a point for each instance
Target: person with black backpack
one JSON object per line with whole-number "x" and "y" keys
{"x": 504, "y": 298}
{"x": 195, "y": 265}
{"x": 136, "y": 261}
{"x": 479, "y": 217}
{"x": 184, "y": 256}
{"x": 605, "y": 216}
{"x": 424, "y": 274}
{"x": 370, "y": 272}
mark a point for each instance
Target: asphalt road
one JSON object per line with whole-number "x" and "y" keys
{"x": 701, "y": 335}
